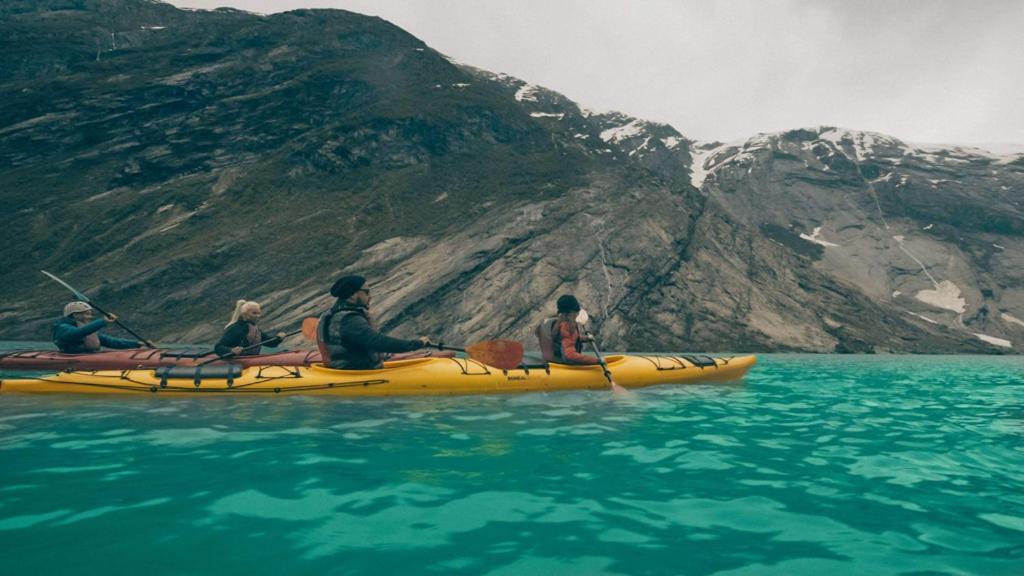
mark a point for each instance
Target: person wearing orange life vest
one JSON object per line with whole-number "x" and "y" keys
{"x": 560, "y": 338}
{"x": 242, "y": 333}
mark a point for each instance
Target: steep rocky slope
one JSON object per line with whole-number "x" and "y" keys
{"x": 170, "y": 161}
{"x": 928, "y": 235}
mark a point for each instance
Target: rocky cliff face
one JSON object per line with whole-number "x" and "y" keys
{"x": 168, "y": 162}
{"x": 929, "y": 237}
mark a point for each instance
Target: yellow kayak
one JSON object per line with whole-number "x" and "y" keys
{"x": 424, "y": 376}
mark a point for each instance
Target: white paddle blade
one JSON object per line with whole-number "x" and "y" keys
{"x": 582, "y": 317}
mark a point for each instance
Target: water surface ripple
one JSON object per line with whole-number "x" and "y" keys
{"x": 812, "y": 465}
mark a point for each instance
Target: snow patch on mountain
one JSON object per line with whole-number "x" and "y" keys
{"x": 558, "y": 115}
{"x": 946, "y": 295}
{"x": 1012, "y": 319}
{"x": 864, "y": 144}
{"x": 707, "y": 158}
{"x": 813, "y": 237}
{"x": 703, "y": 162}
{"x": 946, "y": 153}
{"x": 925, "y": 318}
{"x": 528, "y": 93}
{"x": 994, "y": 341}
{"x": 620, "y": 133}
{"x": 641, "y": 147}
{"x": 761, "y": 141}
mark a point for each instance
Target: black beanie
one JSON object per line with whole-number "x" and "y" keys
{"x": 568, "y": 303}
{"x": 346, "y": 286}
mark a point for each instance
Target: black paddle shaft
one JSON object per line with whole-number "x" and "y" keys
{"x": 443, "y": 346}
{"x": 600, "y": 360}
{"x": 250, "y": 347}
{"x": 145, "y": 342}
{"x": 83, "y": 297}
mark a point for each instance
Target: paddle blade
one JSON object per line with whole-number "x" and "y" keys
{"x": 309, "y": 326}
{"x": 77, "y": 294}
{"x": 504, "y": 354}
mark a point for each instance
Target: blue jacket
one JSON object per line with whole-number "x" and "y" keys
{"x": 70, "y": 337}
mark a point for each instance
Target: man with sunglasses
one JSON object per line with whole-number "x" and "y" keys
{"x": 347, "y": 336}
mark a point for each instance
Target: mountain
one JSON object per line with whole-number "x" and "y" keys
{"x": 929, "y": 236}
{"x": 167, "y": 162}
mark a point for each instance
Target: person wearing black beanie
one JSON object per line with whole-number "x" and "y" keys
{"x": 347, "y": 336}
{"x": 567, "y": 303}
{"x": 346, "y": 286}
{"x": 560, "y": 338}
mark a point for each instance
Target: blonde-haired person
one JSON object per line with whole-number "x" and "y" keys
{"x": 242, "y": 333}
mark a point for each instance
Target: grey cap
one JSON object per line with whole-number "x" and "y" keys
{"x": 76, "y": 306}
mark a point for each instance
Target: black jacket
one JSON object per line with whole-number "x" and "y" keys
{"x": 353, "y": 344}
{"x": 237, "y": 334}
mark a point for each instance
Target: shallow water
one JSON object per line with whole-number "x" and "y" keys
{"x": 812, "y": 465}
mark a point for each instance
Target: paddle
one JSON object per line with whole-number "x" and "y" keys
{"x": 582, "y": 318}
{"x": 308, "y": 332}
{"x": 85, "y": 298}
{"x": 309, "y": 326}
{"x": 252, "y": 346}
{"x": 504, "y": 354}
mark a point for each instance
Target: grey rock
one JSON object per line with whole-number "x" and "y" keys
{"x": 167, "y": 162}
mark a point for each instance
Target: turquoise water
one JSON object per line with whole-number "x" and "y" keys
{"x": 812, "y": 465}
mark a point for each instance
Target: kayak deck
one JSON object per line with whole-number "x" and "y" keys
{"x": 426, "y": 376}
{"x": 150, "y": 359}
{"x": 142, "y": 358}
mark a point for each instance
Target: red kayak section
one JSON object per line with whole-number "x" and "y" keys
{"x": 139, "y": 358}
{"x": 146, "y": 358}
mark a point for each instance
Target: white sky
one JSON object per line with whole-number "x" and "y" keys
{"x": 948, "y": 71}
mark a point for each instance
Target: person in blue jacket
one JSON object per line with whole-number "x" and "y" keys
{"x": 78, "y": 333}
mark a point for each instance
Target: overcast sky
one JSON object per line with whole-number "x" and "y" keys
{"x": 941, "y": 71}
